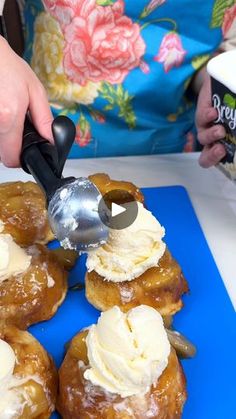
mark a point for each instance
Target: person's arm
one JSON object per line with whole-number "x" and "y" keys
{"x": 209, "y": 134}
{"x": 20, "y": 91}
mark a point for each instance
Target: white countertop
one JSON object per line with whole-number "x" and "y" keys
{"x": 212, "y": 194}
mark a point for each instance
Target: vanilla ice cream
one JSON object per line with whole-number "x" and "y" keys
{"x": 7, "y": 361}
{"x": 10, "y": 400}
{"x": 129, "y": 252}
{"x": 13, "y": 259}
{"x": 1, "y": 226}
{"x": 127, "y": 352}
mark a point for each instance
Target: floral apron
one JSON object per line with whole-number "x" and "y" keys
{"x": 121, "y": 68}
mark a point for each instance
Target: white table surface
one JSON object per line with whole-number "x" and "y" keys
{"x": 212, "y": 194}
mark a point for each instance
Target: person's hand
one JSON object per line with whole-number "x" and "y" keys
{"x": 20, "y": 91}
{"x": 208, "y": 133}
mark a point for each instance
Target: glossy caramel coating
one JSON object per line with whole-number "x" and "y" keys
{"x": 105, "y": 184}
{"x": 80, "y": 399}
{"x": 66, "y": 257}
{"x": 36, "y": 294}
{"x": 33, "y": 362}
{"x": 23, "y": 213}
{"x": 160, "y": 287}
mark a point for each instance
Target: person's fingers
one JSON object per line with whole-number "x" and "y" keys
{"x": 212, "y": 134}
{"x": 210, "y": 156}
{"x": 205, "y": 116}
{"x": 21, "y": 91}
{"x": 7, "y": 117}
{"x": 11, "y": 128}
{"x": 40, "y": 110}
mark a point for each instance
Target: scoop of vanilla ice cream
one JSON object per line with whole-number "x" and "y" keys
{"x": 1, "y": 226}
{"x": 7, "y": 360}
{"x": 131, "y": 251}
{"x": 13, "y": 396}
{"x": 127, "y": 352}
{"x": 9, "y": 399}
{"x": 13, "y": 259}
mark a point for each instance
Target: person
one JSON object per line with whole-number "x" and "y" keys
{"x": 129, "y": 77}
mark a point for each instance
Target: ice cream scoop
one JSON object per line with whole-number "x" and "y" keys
{"x": 74, "y": 218}
{"x": 72, "y": 203}
{"x": 127, "y": 352}
{"x": 129, "y": 252}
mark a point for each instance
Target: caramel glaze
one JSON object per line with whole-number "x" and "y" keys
{"x": 119, "y": 188}
{"x": 160, "y": 287}
{"x": 36, "y": 294}
{"x": 23, "y": 212}
{"x": 80, "y": 399}
{"x": 66, "y": 257}
{"x": 33, "y": 362}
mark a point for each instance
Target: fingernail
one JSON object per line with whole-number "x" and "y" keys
{"x": 218, "y": 152}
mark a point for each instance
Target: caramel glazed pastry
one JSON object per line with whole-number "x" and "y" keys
{"x": 124, "y": 367}
{"x": 33, "y": 282}
{"x": 23, "y": 213}
{"x": 28, "y": 378}
{"x": 134, "y": 267}
{"x": 117, "y": 189}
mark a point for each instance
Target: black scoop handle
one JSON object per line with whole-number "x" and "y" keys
{"x": 38, "y": 159}
{"x": 44, "y": 160}
{"x": 63, "y": 130}
{"x": 32, "y": 139}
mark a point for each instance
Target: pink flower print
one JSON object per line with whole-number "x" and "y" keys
{"x": 101, "y": 44}
{"x": 62, "y": 10}
{"x": 154, "y": 4}
{"x": 144, "y": 67}
{"x": 171, "y": 51}
{"x": 229, "y": 20}
{"x": 83, "y": 133}
{"x": 190, "y": 142}
{"x": 151, "y": 7}
{"x": 97, "y": 116}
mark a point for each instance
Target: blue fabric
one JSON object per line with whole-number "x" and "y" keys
{"x": 163, "y": 113}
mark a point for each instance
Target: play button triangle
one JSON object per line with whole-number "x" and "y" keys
{"x": 116, "y": 209}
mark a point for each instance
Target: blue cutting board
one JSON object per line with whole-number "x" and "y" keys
{"x": 208, "y": 317}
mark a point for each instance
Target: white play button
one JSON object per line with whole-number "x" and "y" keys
{"x": 116, "y": 209}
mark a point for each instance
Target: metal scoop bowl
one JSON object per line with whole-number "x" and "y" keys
{"x": 74, "y": 218}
